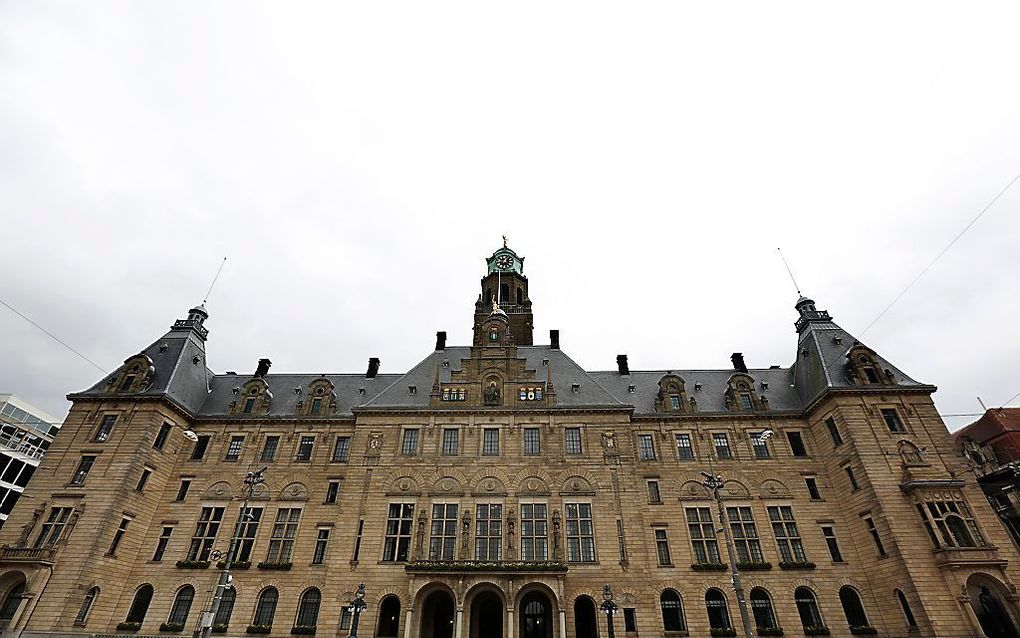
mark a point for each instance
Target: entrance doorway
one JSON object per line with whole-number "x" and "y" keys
{"x": 536, "y": 616}
{"x": 437, "y": 615}
{"x": 487, "y": 611}
{"x": 987, "y": 600}
{"x": 585, "y": 625}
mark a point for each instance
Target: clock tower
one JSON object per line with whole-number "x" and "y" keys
{"x": 505, "y": 284}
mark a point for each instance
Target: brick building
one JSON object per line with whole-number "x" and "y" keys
{"x": 495, "y": 489}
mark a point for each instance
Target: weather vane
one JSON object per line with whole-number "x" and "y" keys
{"x": 504, "y": 241}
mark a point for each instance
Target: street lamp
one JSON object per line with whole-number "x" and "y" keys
{"x": 608, "y": 608}
{"x": 251, "y": 480}
{"x": 357, "y": 607}
{"x": 715, "y": 482}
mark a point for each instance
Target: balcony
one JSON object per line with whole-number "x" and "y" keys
{"x": 10, "y": 554}
{"x": 489, "y": 567}
{"x": 987, "y": 556}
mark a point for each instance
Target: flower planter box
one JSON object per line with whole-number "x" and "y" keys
{"x": 723, "y": 633}
{"x": 280, "y": 566}
{"x": 244, "y": 564}
{"x": 219, "y": 629}
{"x": 754, "y": 567}
{"x": 796, "y": 565}
{"x": 129, "y": 626}
{"x": 192, "y": 564}
{"x": 816, "y": 630}
{"x": 302, "y": 630}
{"x": 770, "y": 631}
{"x": 863, "y": 630}
{"x": 709, "y": 567}
{"x": 173, "y": 627}
{"x": 258, "y": 629}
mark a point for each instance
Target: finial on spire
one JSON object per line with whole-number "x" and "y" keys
{"x": 504, "y": 241}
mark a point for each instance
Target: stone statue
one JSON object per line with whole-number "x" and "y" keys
{"x": 465, "y": 533}
{"x": 419, "y": 539}
{"x": 26, "y": 529}
{"x": 492, "y": 394}
{"x": 511, "y": 526}
{"x": 557, "y": 552}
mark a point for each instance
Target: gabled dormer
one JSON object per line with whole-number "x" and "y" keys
{"x": 864, "y": 368}
{"x": 741, "y": 395}
{"x": 136, "y": 375}
{"x": 672, "y": 397}
{"x": 318, "y": 398}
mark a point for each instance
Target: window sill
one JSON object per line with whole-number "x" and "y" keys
{"x": 800, "y": 564}
{"x": 192, "y": 564}
{"x": 709, "y": 567}
{"x": 666, "y": 566}
{"x": 275, "y": 566}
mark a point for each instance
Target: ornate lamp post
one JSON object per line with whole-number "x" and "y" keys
{"x": 357, "y": 607}
{"x": 251, "y": 480}
{"x": 608, "y": 608}
{"x": 714, "y": 482}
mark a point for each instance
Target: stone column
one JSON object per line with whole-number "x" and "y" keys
{"x": 563, "y": 623}
{"x": 407, "y": 622}
{"x": 968, "y": 611}
{"x": 458, "y": 627}
{"x": 511, "y": 628}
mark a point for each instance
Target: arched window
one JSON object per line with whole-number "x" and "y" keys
{"x": 852, "y": 607}
{"x": 265, "y": 608}
{"x": 308, "y": 608}
{"x": 672, "y": 611}
{"x": 12, "y": 602}
{"x": 504, "y": 293}
{"x": 520, "y": 296}
{"x": 958, "y": 528}
{"x": 86, "y": 606}
{"x": 182, "y": 605}
{"x": 140, "y": 605}
{"x": 907, "y": 614}
{"x": 807, "y": 607}
{"x": 226, "y": 607}
{"x": 389, "y": 618}
{"x": 761, "y": 605}
{"x": 718, "y": 614}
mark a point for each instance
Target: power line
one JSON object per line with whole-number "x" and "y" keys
{"x": 1007, "y": 401}
{"x": 941, "y": 252}
{"x": 52, "y": 336}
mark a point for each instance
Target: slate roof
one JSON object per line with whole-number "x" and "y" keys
{"x": 352, "y": 390}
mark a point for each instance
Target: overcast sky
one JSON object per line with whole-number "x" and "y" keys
{"x": 357, "y": 162}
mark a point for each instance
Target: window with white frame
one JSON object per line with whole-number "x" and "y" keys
{"x": 684, "y": 447}
{"x": 398, "y": 531}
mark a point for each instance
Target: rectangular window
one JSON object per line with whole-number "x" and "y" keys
{"x": 662, "y": 547}
{"x": 852, "y": 478}
{"x": 702, "y": 532}
{"x": 281, "y": 543}
{"x": 321, "y": 541}
{"x": 534, "y": 532}
{"x": 745, "y": 401}
{"x": 580, "y": 533}
{"x": 118, "y": 536}
{"x": 269, "y": 448}
{"x": 105, "y": 427}
{"x": 646, "y": 447}
{"x": 722, "y": 445}
{"x": 162, "y": 436}
{"x": 357, "y": 541}
{"x": 837, "y": 440}
{"x": 812, "y": 488}
{"x": 892, "y": 420}
{"x": 796, "y": 444}
{"x": 143, "y": 479}
{"x": 342, "y": 449}
{"x": 745, "y": 535}
{"x": 51, "y": 530}
{"x": 952, "y": 521}
{"x": 490, "y": 442}
{"x": 164, "y": 540}
{"x": 316, "y": 406}
{"x": 234, "y": 448}
{"x": 451, "y": 441}
{"x": 674, "y": 402}
{"x": 249, "y": 406}
{"x": 784, "y": 528}
{"x": 332, "y": 492}
{"x": 198, "y": 452}
{"x": 443, "y": 540}
{"x": 684, "y": 449}
{"x": 488, "y": 531}
{"x": 345, "y": 618}
{"x": 398, "y": 532}
{"x": 572, "y": 440}
{"x": 182, "y": 491}
{"x": 532, "y": 441}
{"x": 409, "y": 446}
{"x": 629, "y": 620}
{"x": 205, "y": 533}
{"x": 830, "y": 540}
{"x": 621, "y": 544}
{"x": 653, "y": 492}
{"x": 873, "y": 531}
{"x": 305, "y": 447}
{"x": 759, "y": 445}
{"x": 246, "y": 529}
{"x": 84, "y": 466}
{"x": 126, "y": 384}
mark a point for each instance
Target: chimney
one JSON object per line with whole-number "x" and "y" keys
{"x": 263, "y": 368}
{"x": 373, "y": 368}
{"x": 554, "y": 339}
{"x": 441, "y": 340}
{"x": 738, "y": 362}
{"x": 621, "y": 364}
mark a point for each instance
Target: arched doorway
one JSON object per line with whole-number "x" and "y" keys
{"x": 487, "y": 611}
{"x": 437, "y": 615}
{"x": 988, "y": 601}
{"x": 585, "y": 618}
{"x": 536, "y": 616}
{"x": 389, "y": 618}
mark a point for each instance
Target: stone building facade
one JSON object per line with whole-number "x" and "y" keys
{"x": 496, "y": 489}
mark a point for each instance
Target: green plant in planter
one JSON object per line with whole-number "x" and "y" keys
{"x": 770, "y": 631}
{"x": 271, "y": 565}
{"x": 172, "y": 626}
{"x": 709, "y": 567}
{"x": 796, "y": 564}
{"x": 220, "y": 628}
{"x": 723, "y": 633}
{"x": 816, "y": 630}
{"x": 129, "y": 626}
{"x": 241, "y": 564}
{"x": 303, "y": 630}
{"x": 863, "y": 630}
{"x": 259, "y": 629}
{"x": 192, "y": 564}
{"x": 751, "y": 567}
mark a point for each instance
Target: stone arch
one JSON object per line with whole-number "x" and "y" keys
{"x": 392, "y": 591}
{"x": 579, "y": 473}
{"x": 992, "y": 603}
{"x": 294, "y": 491}
{"x": 735, "y": 488}
{"x": 576, "y": 483}
{"x": 480, "y": 587}
{"x": 404, "y": 480}
{"x": 693, "y": 489}
{"x": 537, "y": 585}
{"x": 773, "y": 488}
{"x": 536, "y": 482}
{"x": 490, "y": 480}
{"x": 219, "y": 491}
{"x": 572, "y": 597}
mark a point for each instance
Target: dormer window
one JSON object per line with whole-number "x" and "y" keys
{"x": 494, "y": 334}
{"x": 322, "y": 401}
{"x": 317, "y": 405}
{"x": 255, "y": 398}
{"x": 126, "y": 384}
{"x": 671, "y": 396}
{"x": 745, "y": 401}
{"x": 863, "y": 367}
{"x": 741, "y": 396}
{"x": 249, "y": 405}
{"x": 134, "y": 376}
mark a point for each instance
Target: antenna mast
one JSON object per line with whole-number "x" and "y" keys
{"x": 218, "y": 270}
{"x": 787, "y": 264}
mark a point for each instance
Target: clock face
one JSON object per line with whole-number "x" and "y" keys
{"x": 504, "y": 262}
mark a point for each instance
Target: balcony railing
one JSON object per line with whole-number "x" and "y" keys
{"x": 27, "y": 554}
{"x": 987, "y": 556}
{"x": 446, "y": 566}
